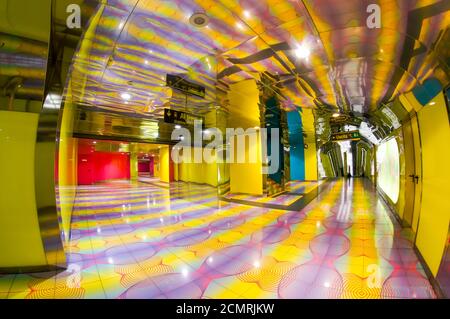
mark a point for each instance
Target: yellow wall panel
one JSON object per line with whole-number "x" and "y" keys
{"x": 246, "y": 177}
{"x": 134, "y": 161}
{"x": 67, "y": 168}
{"x": 243, "y": 104}
{"x": 200, "y": 173}
{"x": 244, "y": 113}
{"x": 164, "y": 162}
{"x": 20, "y": 238}
{"x": 311, "y": 165}
{"x": 435, "y": 210}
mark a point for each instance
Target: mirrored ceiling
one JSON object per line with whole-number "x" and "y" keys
{"x": 320, "y": 53}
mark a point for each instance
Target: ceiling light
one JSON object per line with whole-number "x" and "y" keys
{"x": 199, "y": 20}
{"x": 239, "y": 26}
{"x": 247, "y": 14}
{"x": 302, "y": 51}
{"x": 146, "y": 62}
{"x": 126, "y": 96}
{"x": 432, "y": 103}
{"x": 177, "y": 127}
{"x": 336, "y": 115}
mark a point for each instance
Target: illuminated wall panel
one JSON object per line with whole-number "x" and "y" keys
{"x": 388, "y": 165}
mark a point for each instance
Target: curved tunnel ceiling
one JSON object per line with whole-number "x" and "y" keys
{"x": 133, "y": 45}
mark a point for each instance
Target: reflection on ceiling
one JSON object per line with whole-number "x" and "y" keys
{"x": 320, "y": 53}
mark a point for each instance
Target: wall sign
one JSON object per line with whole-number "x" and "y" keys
{"x": 345, "y": 119}
{"x": 345, "y": 136}
{"x": 177, "y": 82}
{"x": 182, "y": 118}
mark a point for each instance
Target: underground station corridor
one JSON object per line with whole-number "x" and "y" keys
{"x": 224, "y": 149}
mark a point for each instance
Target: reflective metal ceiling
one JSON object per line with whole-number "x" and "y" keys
{"x": 132, "y": 45}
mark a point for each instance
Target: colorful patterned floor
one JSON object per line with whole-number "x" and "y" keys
{"x": 141, "y": 241}
{"x": 302, "y": 187}
{"x": 282, "y": 200}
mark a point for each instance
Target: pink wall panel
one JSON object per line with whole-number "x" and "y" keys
{"x": 144, "y": 167}
{"x": 111, "y": 166}
{"x": 95, "y": 166}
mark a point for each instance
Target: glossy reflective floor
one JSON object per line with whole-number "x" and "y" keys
{"x": 146, "y": 241}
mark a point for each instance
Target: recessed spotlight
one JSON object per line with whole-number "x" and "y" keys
{"x": 199, "y": 20}
{"x": 146, "y": 62}
{"x": 247, "y": 14}
{"x": 239, "y": 26}
{"x": 303, "y": 51}
{"x": 126, "y": 96}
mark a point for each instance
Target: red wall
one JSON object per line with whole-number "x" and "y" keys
{"x": 147, "y": 166}
{"x": 111, "y": 166}
{"x": 144, "y": 167}
{"x": 152, "y": 167}
{"x": 100, "y": 166}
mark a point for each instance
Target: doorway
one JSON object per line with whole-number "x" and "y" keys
{"x": 413, "y": 173}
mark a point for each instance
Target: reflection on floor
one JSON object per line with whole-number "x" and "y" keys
{"x": 155, "y": 181}
{"x": 302, "y": 187}
{"x": 283, "y": 200}
{"x": 142, "y": 241}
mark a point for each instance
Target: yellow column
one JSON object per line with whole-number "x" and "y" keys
{"x": 133, "y": 162}
{"x": 244, "y": 113}
{"x": 20, "y": 239}
{"x": 311, "y": 168}
{"x": 164, "y": 162}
